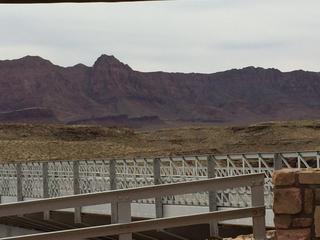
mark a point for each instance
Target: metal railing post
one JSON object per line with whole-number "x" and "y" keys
{"x": 120, "y": 211}
{"x": 19, "y": 182}
{"x": 45, "y": 186}
{"x": 259, "y": 221}
{"x": 124, "y": 216}
{"x": 157, "y": 181}
{"x": 277, "y": 162}
{"x": 113, "y": 186}
{"x": 76, "y": 190}
{"x": 214, "y": 229}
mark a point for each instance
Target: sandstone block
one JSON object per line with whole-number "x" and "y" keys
{"x": 284, "y": 177}
{"x": 282, "y": 221}
{"x": 302, "y": 222}
{"x": 308, "y": 201}
{"x": 317, "y": 196}
{"x": 294, "y": 234}
{"x": 317, "y": 221}
{"x": 287, "y": 201}
{"x": 309, "y": 177}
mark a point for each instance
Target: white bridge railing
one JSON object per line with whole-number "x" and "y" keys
{"x": 121, "y": 208}
{"x": 39, "y": 179}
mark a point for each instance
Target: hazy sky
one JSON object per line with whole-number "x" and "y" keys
{"x": 182, "y": 35}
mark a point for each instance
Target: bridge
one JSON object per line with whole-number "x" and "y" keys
{"x": 32, "y": 180}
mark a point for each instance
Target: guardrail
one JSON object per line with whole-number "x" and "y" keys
{"x": 147, "y": 225}
{"x": 121, "y": 207}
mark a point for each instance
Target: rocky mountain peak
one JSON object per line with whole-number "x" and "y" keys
{"x": 109, "y": 61}
{"x": 33, "y": 61}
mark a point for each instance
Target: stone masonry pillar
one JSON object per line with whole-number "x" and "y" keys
{"x": 297, "y": 204}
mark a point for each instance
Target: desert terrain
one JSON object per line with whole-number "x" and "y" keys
{"x": 25, "y": 142}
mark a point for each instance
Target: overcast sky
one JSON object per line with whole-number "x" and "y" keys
{"x": 183, "y": 36}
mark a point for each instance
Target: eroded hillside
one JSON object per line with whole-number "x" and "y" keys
{"x": 33, "y": 89}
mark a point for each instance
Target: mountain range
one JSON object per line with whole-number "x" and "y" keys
{"x": 111, "y": 92}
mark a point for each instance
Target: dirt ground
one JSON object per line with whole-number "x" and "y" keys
{"x": 19, "y": 142}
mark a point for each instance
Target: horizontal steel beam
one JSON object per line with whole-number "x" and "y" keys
{"x": 145, "y": 225}
{"x": 233, "y": 156}
{"x": 128, "y": 195}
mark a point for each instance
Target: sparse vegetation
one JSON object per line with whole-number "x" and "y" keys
{"x": 19, "y": 142}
